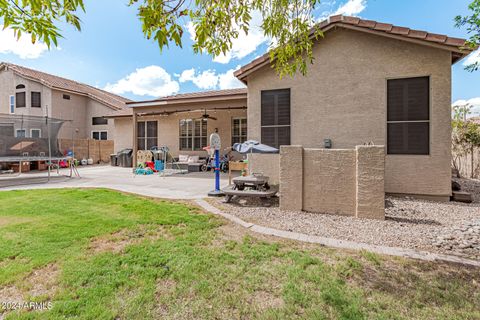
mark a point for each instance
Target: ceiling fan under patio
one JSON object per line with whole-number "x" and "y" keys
{"x": 206, "y": 116}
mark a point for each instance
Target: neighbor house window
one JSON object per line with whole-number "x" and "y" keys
{"x": 99, "y": 135}
{"x": 36, "y": 98}
{"x": 408, "y": 116}
{"x": 275, "y": 117}
{"x": 193, "y": 134}
{"x": 35, "y": 133}
{"x": 99, "y": 121}
{"x": 21, "y": 133}
{"x": 66, "y": 97}
{"x": 239, "y": 130}
{"x": 147, "y": 135}
{"x": 20, "y": 96}
{"x": 11, "y": 101}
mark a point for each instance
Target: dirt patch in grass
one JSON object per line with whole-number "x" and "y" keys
{"x": 40, "y": 286}
{"x": 5, "y": 221}
{"x": 118, "y": 241}
{"x": 165, "y": 287}
{"x": 263, "y": 300}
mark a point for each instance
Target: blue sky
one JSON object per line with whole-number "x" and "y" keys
{"x": 112, "y": 53}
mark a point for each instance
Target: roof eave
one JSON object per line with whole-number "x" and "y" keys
{"x": 242, "y": 73}
{"x": 153, "y": 103}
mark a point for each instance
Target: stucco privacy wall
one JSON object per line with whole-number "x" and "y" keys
{"x": 343, "y": 97}
{"x": 338, "y": 181}
{"x": 266, "y": 164}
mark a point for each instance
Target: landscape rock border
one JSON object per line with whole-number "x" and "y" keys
{"x": 340, "y": 244}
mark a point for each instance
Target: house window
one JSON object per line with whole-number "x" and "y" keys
{"x": 21, "y": 133}
{"x": 99, "y": 121}
{"x": 35, "y": 133}
{"x": 147, "y": 135}
{"x": 20, "y": 99}
{"x": 99, "y": 135}
{"x": 275, "y": 117}
{"x": 36, "y": 98}
{"x": 66, "y": 97}
{"x": 408, "y": 116}
{"x": 193, "y": 134}
{"x": 239, "y": 130}
{"x": 11, "y": 101}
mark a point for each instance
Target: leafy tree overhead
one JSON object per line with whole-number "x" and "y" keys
{"x": 472, "y": 23}
{"x": 288, "y": 23}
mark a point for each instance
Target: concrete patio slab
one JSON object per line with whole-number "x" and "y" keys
{"x": 179, "y": 186}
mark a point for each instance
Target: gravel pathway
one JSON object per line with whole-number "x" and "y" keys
{"x": 448, "y": 228}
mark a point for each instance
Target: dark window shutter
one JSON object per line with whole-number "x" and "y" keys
{"x": 408, "y": 115}
{"x": 36, "y": 99}
{"x": 99, "y": 121}
{"x": 408, "y": 99}
{"x": 275, "y": 121}
{"x": 20, "y": 100}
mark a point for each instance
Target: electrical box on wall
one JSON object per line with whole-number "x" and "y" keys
{"x": 327, "y": 143}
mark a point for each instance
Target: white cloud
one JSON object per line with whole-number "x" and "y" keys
{"x": 209, "y": 79}
{"x": 23, "y": 47}
{"x": 472, "y": 58}
{"x": 474, "y": 102}
{"x": 149, "y": 81}
{"x": 204, "y": 80}
{"x": 352, "y": 7}
{"x": 245, "y": 44}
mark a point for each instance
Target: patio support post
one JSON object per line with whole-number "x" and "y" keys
{"x": 135, "y": 139}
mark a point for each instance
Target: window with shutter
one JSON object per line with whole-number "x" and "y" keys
{"x": 275, "y": 117}
{"x": 20, "y": 100}
{"x": 408, "y": 116}
{"x": 36, "y": 98}
{"x": 99, "y": 121}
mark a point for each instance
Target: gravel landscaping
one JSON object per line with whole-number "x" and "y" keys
{"x": 449, "y": 228}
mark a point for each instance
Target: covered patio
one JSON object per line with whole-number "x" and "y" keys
{"x": 184, "y": 122}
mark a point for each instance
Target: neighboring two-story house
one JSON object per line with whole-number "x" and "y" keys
{"x": 29, "y": 92}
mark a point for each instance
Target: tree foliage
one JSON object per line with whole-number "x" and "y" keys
{"x": 289, "y": 24}
{"x": 40, "y": 18}
{"x": 472, "y": 24}
{"x": 465, "y": 137}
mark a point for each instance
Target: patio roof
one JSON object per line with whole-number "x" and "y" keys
{"x": 193, "y": 97}
{"x": 457, "y": 46}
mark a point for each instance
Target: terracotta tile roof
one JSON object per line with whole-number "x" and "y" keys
{"x": 59, "y": 83}
{"x": 197, "y": 95}
{"x": 456, "y": 45}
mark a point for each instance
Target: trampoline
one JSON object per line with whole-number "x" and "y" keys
{"x": 31, "y": 142}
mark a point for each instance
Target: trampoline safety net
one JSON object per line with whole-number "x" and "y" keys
{"x": 28, "y": 137}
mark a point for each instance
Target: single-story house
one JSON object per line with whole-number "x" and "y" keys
{"x": 370, "y": 83}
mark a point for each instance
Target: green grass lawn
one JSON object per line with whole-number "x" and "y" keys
{"x": 100, "y": 254}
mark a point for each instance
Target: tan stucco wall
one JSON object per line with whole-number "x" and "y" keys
{"x": 344, "y": 95}
{"x": 73, "y": 110}
{"x": 79, "y": 108}
{"x": 96, "y": 109}
{"x": 122, "y": 133}
{"x": 8, "y": 83}
{"x": 169, "y": 126}
{"x": 267, "y": 164}
{"x": 337, "y": 181}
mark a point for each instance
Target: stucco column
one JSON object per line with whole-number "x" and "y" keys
{"x": 291, "y": 178}
{"x": 135, "y": 139}
{"x": 370, "y": 182}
